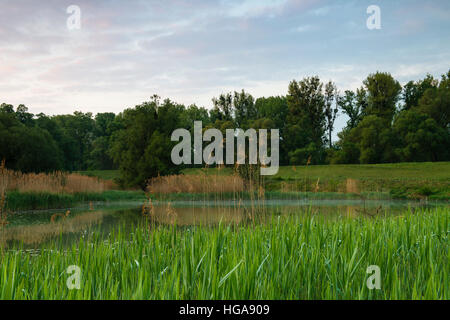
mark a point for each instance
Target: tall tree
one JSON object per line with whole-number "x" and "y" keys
{"x": 347, "y": 103}
{"x": 306, "y": 120}
{"x": 79, "y": 129}
{"x": 99, "y": 157}
{"x": 414, "y": 90}
{"x": 224, "y": 106}
{"x": 244, "y": 108}
{"x": 383, "y": 94}
{"x": 420, "y": 137}
{"x": 331, "y": 108}
{"x": 436, "y": 102}
{"x": 274, "y": 108}
{"x": 272, "y": 113}
{"x": 353, "y": 105}
{"x": 26, "y": 148}
{"x": 194, "y": 113}
{"x": 24, "y": 116}
{"x": 141, "y": 146}
{"x": 375, "y": 140}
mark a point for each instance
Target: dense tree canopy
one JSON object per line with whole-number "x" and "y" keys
{"x": 383, "y": 93}
{"x": 386, "y": 123}
{"x": 417, "y": 129}
{"x": 26, "y": 148}
{"x": 141, "y": 146}
{"x": 306, "y": 121}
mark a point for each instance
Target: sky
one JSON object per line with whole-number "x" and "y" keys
{"x": 192, "y": 51}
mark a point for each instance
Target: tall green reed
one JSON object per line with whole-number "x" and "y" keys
{"x": 288, "y": 257}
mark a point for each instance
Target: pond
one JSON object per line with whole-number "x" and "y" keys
{"x": 33, "y": 229}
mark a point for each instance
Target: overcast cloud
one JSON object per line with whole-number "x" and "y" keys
{"x": 191, "y": 51}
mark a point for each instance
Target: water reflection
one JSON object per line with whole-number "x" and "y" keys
{"x": 33, "y": 229}
{"x": 33, "y": 234}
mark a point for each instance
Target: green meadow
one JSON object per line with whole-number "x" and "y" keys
{"x": 398, "y": 181}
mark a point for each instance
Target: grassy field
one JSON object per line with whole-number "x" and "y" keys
{"x": 411, "y": 171}
{"x": 294, "y": 257}
{"x": 400, "y": 180}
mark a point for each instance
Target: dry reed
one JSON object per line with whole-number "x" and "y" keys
{"x": 57, "y": 182}
{"x": 352, "y": 186}
{"x": 195, "y": 184}
{"x": 56, "y": 215}
{"x": 3, "y": 187}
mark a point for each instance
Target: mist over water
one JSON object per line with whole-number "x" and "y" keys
{"x": 35, "y": 229}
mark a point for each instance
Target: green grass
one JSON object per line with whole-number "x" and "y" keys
{"x": 408, "y": 171}
{"x": 294, "y": 257}
{"x": 434, "y": 171}
{"x": 399, "y": 180}
{"x": 32, "y": 201}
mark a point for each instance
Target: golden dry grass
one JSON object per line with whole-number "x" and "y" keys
{"x": 57, "y": 182}
{"x": 3, "y": 186}
{"x": 352, "y": 186}
{"x": 195, "y": 184}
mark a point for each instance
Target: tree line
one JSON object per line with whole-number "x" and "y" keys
{"x": 386, "y": 123}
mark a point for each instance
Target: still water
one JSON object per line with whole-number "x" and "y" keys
{"x": 33, "y": 229}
